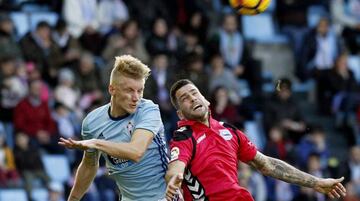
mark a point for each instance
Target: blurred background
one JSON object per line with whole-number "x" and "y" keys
{"x": 288, "y": 77}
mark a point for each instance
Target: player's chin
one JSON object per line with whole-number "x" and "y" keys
{"x": 131, "y": 110}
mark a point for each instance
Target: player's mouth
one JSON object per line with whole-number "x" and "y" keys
{"x": 197, "y": 107}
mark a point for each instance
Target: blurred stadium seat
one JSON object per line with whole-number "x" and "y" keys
{"x": 21, "y": 21}
{"x": 40, "y": 194}
{"x": 261, "y": 28}
{"x": 57, "y": 167}
{"x": 13, "y": 195}
{"x": 49, "y": 17}
{"x": 354, "y": 65}
{"x": 272, "y": 7}
{"x": 314, "y": 13}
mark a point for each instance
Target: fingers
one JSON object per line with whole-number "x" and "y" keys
{"x": 341, "y": 189}
{"x": 171, "y": 192}
{"x": 334, "y": 194}
{"x": 173, "y": 186}
{"x": 337, "y": 191}
{"x": 68, "y": 143}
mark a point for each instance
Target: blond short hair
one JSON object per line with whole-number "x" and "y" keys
{"x": 129, "y": 66}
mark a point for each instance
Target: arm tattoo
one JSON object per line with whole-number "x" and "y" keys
{"x": 73, "y": 198}
{"x": 280, "y": 170}
{"x": 91, "y": 158}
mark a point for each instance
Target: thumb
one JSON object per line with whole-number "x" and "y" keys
{"x": 340, "y": 179}
{"x": 177, "y": 179}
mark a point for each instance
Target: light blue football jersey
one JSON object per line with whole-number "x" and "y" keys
{"x": 142, "y": 181}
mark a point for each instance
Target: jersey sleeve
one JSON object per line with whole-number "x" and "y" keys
{"x": 182, "y": 146}
{"x": 85, "y": 133}
{"x": 247, "y": 150}
{"x": 149, "y": 119}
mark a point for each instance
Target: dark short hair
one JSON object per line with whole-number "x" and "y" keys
{"x": 43, "y": 24}
{"x": 284, "y": 83}
{"x": 175, "y": 87}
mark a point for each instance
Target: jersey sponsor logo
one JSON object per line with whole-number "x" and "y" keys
{"x": 174, "y": 154}
{"x": 181, "y": 129}
{"x": 122, "y": 163}
{"x": 130, "y": 127}
{"x": 225, "y": 133}
{"x": 201, "y": 138}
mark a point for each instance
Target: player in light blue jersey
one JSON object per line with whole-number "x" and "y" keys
{"x": 128, "y": 133}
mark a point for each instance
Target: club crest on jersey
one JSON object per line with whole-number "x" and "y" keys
{"x": 130, "y": 127}
{"x": 225, "y": 133}
{"x": 174, "y": 155}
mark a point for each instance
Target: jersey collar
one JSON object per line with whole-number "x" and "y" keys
{"x": 187, "y": 122}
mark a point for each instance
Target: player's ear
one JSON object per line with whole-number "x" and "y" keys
{"x": 180, "y": 114}
{"x": 111, "y": 89}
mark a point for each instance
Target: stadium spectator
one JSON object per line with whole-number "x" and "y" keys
{"x": 198, "y": 24}
{"x": 8, "y": 45}
{"x": 69, "y": 46}
{"x": 127, "y": 40}
{"x": 319, "y": 51}
{"x": 28, "y": 162}
{"x": 154, "y": 9}
{"x": 56, "y": 191}
{"x": 12, "y": 91}
{"x": 224, "y": 109}
{"x": 33, "y": 117}
{"x": 276, "y": 145}
{"x": 230, "y": 44}
{"x": 89, "y": 81}
{"x": 347, "y": 19}
{"x": 252, "y": 181}
{"x": 158, "y": 41}
{"x": 350, "y": 169}
{"x": 283, "y": 108}
{"x": 312, "y": 143}
{"x": 38, "y": 47}
{"x": 192, "y": 67}
{"x": 221, "y": 76}
{"x": 66, "y": 92}
{"x": 111, "y": 15}
{"x": 80, "y": 15}
{"x": 9, "y": 177}
{"x": 157, "y": 87}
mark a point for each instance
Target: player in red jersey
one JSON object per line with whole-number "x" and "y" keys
{"x": 205, "y": 155}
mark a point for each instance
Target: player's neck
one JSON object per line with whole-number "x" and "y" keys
{"x": 205, "y": 120}
{"x": 116, "y": 111}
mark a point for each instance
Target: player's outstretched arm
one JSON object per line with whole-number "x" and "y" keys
{"x": 85, "y": 174}
{"x": 280, "y": 170}
{"x": 174, "y": 177}
{"x": 133, "y": 150}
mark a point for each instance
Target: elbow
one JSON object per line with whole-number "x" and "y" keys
{"x": 137, "y": 155}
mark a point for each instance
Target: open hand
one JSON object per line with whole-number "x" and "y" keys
{"x": 173, "y": 187}
{"x": 77, "y": 144}
{"x": 332, "y": 187}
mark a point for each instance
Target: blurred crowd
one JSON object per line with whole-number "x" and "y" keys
{"x": 53, "y": 75}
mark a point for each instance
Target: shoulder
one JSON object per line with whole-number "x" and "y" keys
{"x": 227, "y": 125}
{"x": 95, "y": 115}
{"x": 146, "y": 105}
{"x": 183, "y": 133}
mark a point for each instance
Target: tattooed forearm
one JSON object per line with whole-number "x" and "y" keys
{"x": 91, "y": 158}
{"x": 73, "y": 198}
{"x": 280, "y": 170}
